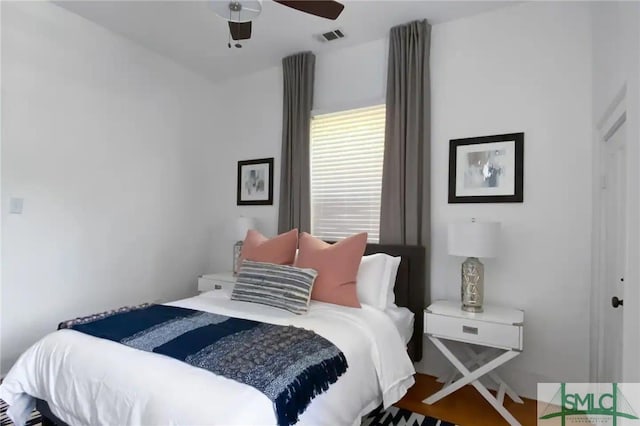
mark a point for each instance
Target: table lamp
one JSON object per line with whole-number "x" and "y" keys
{"x": 473, "y": 240}
{"x": 243, "y": 224}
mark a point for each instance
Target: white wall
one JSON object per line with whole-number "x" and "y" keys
{"x": 252, "y": 117}
{"x": 104, "y": 141}
{"x": 350, "y": 78}
{"x": 616, "y": 63}
{"x": 521, "y": 68}
{"x": 525, "y": 68}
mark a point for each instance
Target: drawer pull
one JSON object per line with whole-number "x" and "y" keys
{"x": 469, "y": 330}
{"x": 217, "y": 287}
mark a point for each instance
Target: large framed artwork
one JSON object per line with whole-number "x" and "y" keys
{"x": 255, "y": 182}
{"x": 486, "y": 169}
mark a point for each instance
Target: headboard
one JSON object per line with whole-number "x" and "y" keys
{"x": 411, "y": 287}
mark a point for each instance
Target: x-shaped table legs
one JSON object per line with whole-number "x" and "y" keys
{"x": 472, "y": 377}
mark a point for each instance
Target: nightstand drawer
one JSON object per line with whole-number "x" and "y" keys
{"x": 473, "y": 331}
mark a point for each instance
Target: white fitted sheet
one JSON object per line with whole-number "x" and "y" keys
{"x": 91, "y": 381}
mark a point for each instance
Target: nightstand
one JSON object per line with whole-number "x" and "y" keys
{"x": 220, "y": 284}
{"x": 497, "y": 329}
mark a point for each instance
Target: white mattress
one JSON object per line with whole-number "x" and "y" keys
{"x": 91, "y": 381}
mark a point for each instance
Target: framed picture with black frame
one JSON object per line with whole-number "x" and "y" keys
{"x": 255, "y": 182}
{"x": 486, "y": 169}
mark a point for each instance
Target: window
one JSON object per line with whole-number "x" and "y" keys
{"x": 347, "y": 150}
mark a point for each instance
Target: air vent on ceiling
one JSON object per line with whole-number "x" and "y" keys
{"x": 331, "y": 36}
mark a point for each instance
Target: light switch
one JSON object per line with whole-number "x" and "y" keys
{"x": 15, "y": 205}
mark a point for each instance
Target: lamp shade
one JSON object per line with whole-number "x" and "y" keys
{"x": 474, "y": 239}
{"x": 243, "y": 224}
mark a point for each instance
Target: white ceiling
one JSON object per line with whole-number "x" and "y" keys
{"x": 190, "y": 33}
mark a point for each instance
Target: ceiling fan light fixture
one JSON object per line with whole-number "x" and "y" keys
{"x": 237, "y": 10}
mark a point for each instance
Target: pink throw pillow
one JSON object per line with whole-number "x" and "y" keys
{"x": 337, "y": 265}
{"x": 280, "y": 250}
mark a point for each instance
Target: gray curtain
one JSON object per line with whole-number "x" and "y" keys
{"x": 405, "y": 213}
{"x": 295, "y": 205}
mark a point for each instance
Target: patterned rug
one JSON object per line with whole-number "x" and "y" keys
{"x": 393, "y": 416}
{"x": 34, "y": 420}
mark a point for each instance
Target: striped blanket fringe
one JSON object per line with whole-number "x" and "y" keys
{"x": 320, "y": 376}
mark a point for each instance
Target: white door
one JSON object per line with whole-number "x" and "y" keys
{"x": 614, "y": 246}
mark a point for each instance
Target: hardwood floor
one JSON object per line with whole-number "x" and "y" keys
{"x": 465, "y": 407}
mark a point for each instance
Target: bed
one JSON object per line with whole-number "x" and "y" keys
{"x": 76, "y": 379}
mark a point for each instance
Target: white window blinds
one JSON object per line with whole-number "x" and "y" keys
{"x": 347, "y": 150}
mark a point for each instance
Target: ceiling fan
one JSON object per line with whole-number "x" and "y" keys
{"x": 240, "y": 13}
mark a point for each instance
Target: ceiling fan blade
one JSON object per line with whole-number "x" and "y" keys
{"x": 323, "y": 8}
{"x": 240, "y": 30}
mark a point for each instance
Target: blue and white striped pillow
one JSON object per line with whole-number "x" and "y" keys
{"x": 281, "y": 286}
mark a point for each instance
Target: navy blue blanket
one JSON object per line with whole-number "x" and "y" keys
{"x": 289, "y": 365}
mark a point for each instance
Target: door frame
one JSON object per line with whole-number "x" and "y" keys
{"x": 614, "y": 117}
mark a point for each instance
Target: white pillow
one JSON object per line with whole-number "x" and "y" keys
{"x": 370, "y": 280}
{"x": 393, "y": 263}
{"x": 376, "y": 278}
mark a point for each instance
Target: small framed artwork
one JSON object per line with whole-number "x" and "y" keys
{"x": 487, "y": 169}
{"x": 255, "y": 182}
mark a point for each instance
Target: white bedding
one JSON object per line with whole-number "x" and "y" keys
{"x": 91, "y": 381}
{"x": 403, "y": 319}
